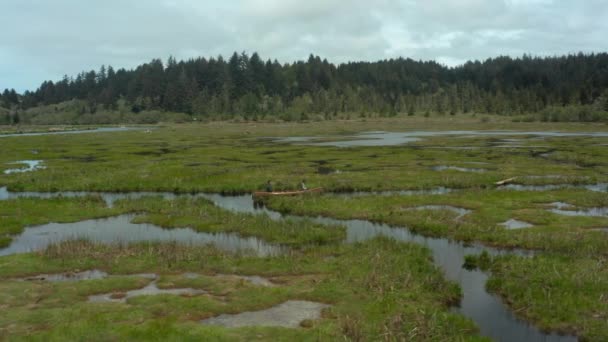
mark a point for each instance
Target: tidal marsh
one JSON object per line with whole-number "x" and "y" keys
{"x": 369, "y": 297}
{"x": 375, "y": 288}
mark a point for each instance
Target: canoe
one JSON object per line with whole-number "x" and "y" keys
{"x": 287, "y": 193}
{"x": 505, "y": 181}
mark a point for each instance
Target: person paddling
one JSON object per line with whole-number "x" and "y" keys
{"x": 269, "y": 186}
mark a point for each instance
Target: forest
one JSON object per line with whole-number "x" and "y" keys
{"x": 559, "y": 88}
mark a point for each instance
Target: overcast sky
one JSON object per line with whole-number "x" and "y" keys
{"x": 45, "y": 39}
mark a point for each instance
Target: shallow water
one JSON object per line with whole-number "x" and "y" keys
{"x": 494, "y": 319}
{"x": 288, "y": 314}
{"x": 400, "y": 138}
{"x": 566, "y": 209}
{"x": 543, "y": 176}
{"x": 31, "y": 165}
{"x": 457, "y": 168}
{"x": 68, "y": 276}
{"x": 362, "y": 139}
{"x": 433, "y": 191}
{"x": 254, "y": 280}
{"x": 149, "y": 290}
{"x": 581, "y": 212}
{"x": 459, "y": 211}
{"x": 120, "y": 229}
{"x": 516, "y": 224}
{"x": 600, "y": 187}
{"x": 96, "y": 130}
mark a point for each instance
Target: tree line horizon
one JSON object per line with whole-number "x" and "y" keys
{"x": 574, "y": 86}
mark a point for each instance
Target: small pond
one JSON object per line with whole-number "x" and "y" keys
{"x": 30, "y": 165}
{"x": 380, "y": 138}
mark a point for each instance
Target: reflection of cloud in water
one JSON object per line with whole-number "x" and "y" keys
{"x": 288, "y": 314}
{"x": 457, "y": 168}
{"x": 119, "y": 229}
{"x": 491, "y": 315}
{"x": 31, "y": 165}
{"x": 516, "y": 224}
{"x": 399, "y": 138}
{"x": 460, "y": 212}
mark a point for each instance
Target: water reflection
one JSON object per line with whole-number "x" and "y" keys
{"x": 119, "y": 229}
{"x": 30, "y": 165}
{"x": 516, "y": 224}
{"x": 380, "y": 138}
{"x": 486, "y": 310}
{"x": 457, "y": 168}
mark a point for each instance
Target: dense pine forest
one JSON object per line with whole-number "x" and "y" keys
{"x": 244, "y": 87}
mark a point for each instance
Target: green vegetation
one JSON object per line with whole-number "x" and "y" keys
{"x": 221, "y": 158}
{"x": 571, "y": 235}
{"x": 370, "y": 297}
{"x": 202, "y": 215}
{"x": 16, "y": 214}
{"x": 378, "y": 288}
{"x": 557, "y": 292}
{"x": 248, "y": 88}
{"x": 199, "y": 214}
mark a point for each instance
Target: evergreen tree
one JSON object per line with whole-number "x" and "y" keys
{"x": 246, "y": 85}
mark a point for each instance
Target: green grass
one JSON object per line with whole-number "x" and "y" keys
{"x": 556, "y": 292}
{"x": 373, "y": 294}
{"x": 202, "y": 215}
{"x": 370, "y": 297}
{"x": 239, "y": 158}
{"x": 16, "y": 214}
{"x": 199, "y": 214}
{"x": 489, "y": 208}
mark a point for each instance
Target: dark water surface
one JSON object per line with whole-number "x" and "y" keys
{"x": 494, "y": 319}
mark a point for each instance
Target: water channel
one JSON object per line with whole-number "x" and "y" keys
{"x": 494, "y": 319}
{"x": 381, "y": 138}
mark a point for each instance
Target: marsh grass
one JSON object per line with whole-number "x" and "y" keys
{"x": 19, "y": 213}
{"x": 552, "y": 232}
{"x": 200, "y": 214}
{"x": 220, "y": 158}
{"x": 378, "y": 289}
{"x": 558, "y": 293}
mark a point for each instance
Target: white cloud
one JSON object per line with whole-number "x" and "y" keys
{"x": 42, "y": 39}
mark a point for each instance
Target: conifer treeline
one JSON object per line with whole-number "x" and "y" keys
{"x": 249, "y": 86}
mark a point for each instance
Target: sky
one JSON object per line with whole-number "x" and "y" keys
{"x": 44, "y": 40}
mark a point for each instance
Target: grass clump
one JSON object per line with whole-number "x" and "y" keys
{"x": 22, "y": 212}
{"x": 481, "y": 261}
{"x": 202, "y": 215}
{"x": 556, "y": 292}
{"x": 378, "y": 289}
{"x": 489, "y": 208}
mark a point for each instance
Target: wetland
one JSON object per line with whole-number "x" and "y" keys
{"x": 378, "y": 255}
